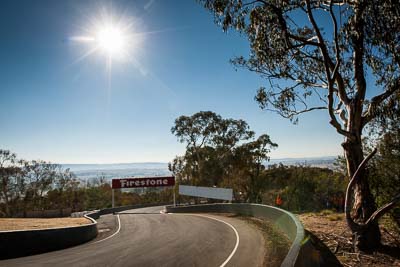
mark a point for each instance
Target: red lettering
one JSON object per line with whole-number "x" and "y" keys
{"x": 143, "y": 182}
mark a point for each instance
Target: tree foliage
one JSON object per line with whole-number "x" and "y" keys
{"x": 304, "y": 188}
{"x": 220, "y": 152}
{"x": 385, "y": 170}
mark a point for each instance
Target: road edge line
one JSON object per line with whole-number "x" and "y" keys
{"x": 233, "y": 228}
{"x": 108, "y": 237}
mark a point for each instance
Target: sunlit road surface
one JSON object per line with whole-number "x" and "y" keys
{"x": 147, "y": 237}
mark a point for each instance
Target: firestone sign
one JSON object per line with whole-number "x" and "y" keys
{"x": 143, "y": 182}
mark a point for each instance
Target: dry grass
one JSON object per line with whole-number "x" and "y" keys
{"x": 8, "y": 224}
{"x": 326, "y": 212}
{"x": 335, "y": 217}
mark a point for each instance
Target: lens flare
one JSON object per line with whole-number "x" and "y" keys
{"x": 111, "y": 40}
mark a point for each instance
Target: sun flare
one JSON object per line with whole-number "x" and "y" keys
{"x": 117, "y": 38}
{"x": 111, "y": 40}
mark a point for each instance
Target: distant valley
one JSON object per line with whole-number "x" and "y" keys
{"x": 120, "y": 170}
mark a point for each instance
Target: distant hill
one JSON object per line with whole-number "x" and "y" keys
{"x": 120, "y": 170}
{"x": 116, "y": 166}
{"x": 321, "y": 162}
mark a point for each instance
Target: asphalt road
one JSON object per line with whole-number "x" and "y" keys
{"x": 148, "y": 238}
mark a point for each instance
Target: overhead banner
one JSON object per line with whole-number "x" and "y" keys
{"x": 143, "y": 182}
{"x": 207, "y": 192}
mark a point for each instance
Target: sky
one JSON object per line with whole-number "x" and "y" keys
{"x": 60, "y": 106}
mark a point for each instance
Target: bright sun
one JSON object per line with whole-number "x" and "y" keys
{"x": 115, "y": 38}
{"x": 111, "y": 40}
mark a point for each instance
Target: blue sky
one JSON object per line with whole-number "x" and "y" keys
{"x": 57, "y": 108}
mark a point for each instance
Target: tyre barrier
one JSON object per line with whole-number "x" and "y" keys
{"x": 301, "y": 252}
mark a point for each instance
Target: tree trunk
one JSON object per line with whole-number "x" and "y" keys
{"x": 6, "y": 204}
{"x": 364, "y": 239}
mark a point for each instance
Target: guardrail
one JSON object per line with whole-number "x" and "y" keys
{"x": 20, "y": 243}
{"x": 301, "y": 252}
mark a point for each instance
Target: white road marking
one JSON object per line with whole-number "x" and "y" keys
{"x": 230, "y": 225}
{"x": 119, "y": 228}
{"x": 212, "y": 218}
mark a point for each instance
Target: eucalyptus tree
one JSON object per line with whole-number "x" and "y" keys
{"x": 204, "y": 133}
{"x": 221, "y": 152}
{"x": 40, "y": 177}
{"x": 339, "y": 56}
{"x": 248, "y": 164}
{"x": 7, "y": 159}
{"x": 13, "y": 186}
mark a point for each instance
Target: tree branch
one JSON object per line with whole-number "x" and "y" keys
{"x": 335, "y": 38}
{"x": 327, "y": 60}
{"x": 358, "y": 63}
{"x": 377, "y": 100}
{"x": 334, "y": 122}
{"x": 321, "y": 41}
{"x": 302, "y": 40}
{"x": 353, "y": 226}
{"x": 380, "y": 212}
{"x": 327, "y": 64}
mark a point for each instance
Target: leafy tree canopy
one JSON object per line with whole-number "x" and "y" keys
{"x": 322, "y": 50}
{"x": 221, "y": 152}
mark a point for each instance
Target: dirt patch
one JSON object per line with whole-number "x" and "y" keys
{"x": 332, "y": 230}
{"x": 8, "y": 224}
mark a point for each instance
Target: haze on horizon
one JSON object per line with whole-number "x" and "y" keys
{"x": 68, "y": 98}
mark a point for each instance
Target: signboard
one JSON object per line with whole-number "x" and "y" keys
{"x": 143, "y": 182}
{"x": 207, "y": 192}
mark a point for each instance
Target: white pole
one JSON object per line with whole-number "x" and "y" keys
{"x": 112, "y": 194}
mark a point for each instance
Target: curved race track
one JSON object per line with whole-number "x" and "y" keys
{"x": 147, "y": 237}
